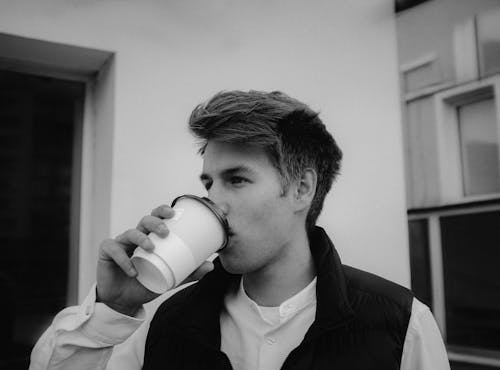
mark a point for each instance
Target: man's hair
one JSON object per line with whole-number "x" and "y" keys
{"x": 292, "y": 134}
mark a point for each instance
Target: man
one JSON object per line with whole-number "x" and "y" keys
{"x": 278, "y": 296}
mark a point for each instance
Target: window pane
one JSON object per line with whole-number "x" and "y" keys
{"x": 488, "y": 26}
{"x": 420, "y": 261}
{"x": 420, "y": 139}
{"x": 479, "y": 147}
{"x": 471, "y": 255}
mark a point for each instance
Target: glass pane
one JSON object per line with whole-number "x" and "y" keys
{"x": 488, "y": 27}
{"x": 479, "y": 147}
{"x": 36, "y": 135}
{"x": 471, "y": 255}
{"x": 420, "y": 261}
{"x": 421, "y": 153}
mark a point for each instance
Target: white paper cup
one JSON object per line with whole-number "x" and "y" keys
{"x": 197, "y": 230}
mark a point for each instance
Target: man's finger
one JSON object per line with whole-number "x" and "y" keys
{"x": 132, "y": 238}
{"x": 112, "y": 251}
{"x": 153, "y": 224}
{"x": 163, "y": 211}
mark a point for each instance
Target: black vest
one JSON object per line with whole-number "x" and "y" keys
{"x": 361, "y": 320}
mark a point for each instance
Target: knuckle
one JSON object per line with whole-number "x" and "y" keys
{"x": 142, "y": 221}
{"x": 110, "y": 250}
{"x": 107, "y": 243}
{"x": 131, "y": 231}
{"x": 135, "y": 235}
{"x": 144, "y": 241}
{"x": 160, "y": 226}
{"x": 127, "y": 234}
{"x": 156, "y": 221}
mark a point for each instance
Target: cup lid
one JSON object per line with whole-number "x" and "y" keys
{"x": 215, "y": 210}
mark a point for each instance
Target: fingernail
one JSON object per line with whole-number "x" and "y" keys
{"x": 147, "y": 244}
{"x": 162, "y": 230}
{"x": 132, "y": 272}
{"x": 151, "y": 245}
{"x": 168, "y": 211}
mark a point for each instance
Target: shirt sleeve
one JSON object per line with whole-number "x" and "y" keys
{"x": 83, "y": 337}
{"x": 423, "y": 347}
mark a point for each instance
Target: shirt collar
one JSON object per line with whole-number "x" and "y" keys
{"x": 286, "y": 310}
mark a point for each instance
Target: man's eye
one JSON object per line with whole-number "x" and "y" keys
{"x": 236, "y": 180}
{"x": 207, "y": 185}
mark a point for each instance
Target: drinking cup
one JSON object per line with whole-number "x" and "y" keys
{"x": 198, "y": 229}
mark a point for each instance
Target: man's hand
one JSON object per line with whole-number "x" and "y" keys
{"x": 117, "y": 286}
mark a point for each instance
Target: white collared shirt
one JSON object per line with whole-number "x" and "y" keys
{"x": 256, "y": 337}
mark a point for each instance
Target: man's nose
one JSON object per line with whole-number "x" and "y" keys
{"x": 217, "y": 196}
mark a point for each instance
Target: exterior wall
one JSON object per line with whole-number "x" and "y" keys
{"x": 169, "y": 56}
{"x": 437, "y": 51}
{"x": 429, "y": 29}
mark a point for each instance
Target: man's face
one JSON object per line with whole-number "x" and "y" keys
{"x": 241, "y": 180}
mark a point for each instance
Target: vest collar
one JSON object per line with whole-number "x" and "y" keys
{"x": 200, "y": 318}
{"x": 333, "y": 308}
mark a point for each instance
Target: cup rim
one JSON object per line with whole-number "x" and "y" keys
{"x": 215, "y": 210}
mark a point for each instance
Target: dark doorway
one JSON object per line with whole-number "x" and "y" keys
{"x": 40, "y": 130}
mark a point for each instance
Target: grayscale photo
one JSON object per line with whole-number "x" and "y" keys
{"x": 250, "y": 185}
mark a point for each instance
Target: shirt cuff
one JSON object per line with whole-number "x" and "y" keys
{"x": 107, "y": 325}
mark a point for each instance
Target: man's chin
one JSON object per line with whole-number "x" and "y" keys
{"x": 230, "y": 264}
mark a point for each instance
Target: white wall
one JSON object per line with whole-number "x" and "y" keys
{"x": 338, "y": 56}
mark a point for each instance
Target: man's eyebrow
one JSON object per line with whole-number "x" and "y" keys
{"x": 237, "y": 169}
{"x": 228, "y": 172}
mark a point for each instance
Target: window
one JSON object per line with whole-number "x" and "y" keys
{"x": 453, "y": 175}
{"x": 420, "y": 74}
{"x": 454, "y": 253}
{"x": 478, "y": 135}
{"x": 420, "y": 260}
{"x": 470, "y": 245}
{"x": 488, "y": 35}
{"x": 422, "y": 170}
{"x": 468, "y": 141}
{"x": 452, "y": 138}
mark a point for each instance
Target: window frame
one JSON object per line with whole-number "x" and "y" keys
{"x": 433, "y": 215}
{"x": 449, "y": 159}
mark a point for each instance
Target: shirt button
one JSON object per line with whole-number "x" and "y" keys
{"x": 270, "y": 340}
{"x": 286, "y": 309}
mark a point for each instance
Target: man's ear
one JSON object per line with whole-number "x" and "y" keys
{"x": 305, "y": 189}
